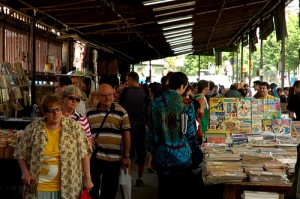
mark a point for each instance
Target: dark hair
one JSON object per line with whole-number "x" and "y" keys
{"x": 87, "y": 82}
{"x": 264, "y": 84}
{"x": 153, "y": 86}
{"x": 134, "y": 76}
{"x": 163, "y": 80}
{"x": 169, "y": 74}
{"x": 286, "y": 88}
{"x": 279, "y": 90}
{"x": 257, "y": 82}
{"x": 297, "y": 84}
{"x": 242, "y": 92}
{"x": 233, "y": 87}
{"x": 273, "y": 85}
{"x": 211, "y": 85}
{"x": 64, "y": 81}
{"x": 178, "y": 79}
{"x": 194, "y": 85}
{"x": 202, "y": 84}
{"x": 50, "y": 99}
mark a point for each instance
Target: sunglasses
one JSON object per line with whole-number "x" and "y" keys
{"x": 57, "y": 110}
{"x": 73, "y": 98}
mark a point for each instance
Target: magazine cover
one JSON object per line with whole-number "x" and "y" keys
{"x": 216, "y": 105}
{"x": 244, "y": 108}
{"x": 282, "y": 126}
{"x": 267, "y": 125}
{"x": 230, "y": 107}
{"x": 245, "y": 126}
{"x": 232, "y": 124}
{"x": 295, "y": 129}
{"x": 272, "y": 109}
{"x": 217, "y": 120}
{"x": 256, "y": 126}
{"x": 257, "y": 109}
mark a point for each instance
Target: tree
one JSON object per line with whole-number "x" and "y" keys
{"x": 191, "y": 64}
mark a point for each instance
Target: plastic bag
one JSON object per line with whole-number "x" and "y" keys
{"x": 85, "y": 195}
{"x": 125, "y": 184}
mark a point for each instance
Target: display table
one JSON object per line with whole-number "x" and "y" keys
{"x": 234, "y": 190}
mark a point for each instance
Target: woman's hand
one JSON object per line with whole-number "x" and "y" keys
{"x": 26, "y": 178}
{"x": 87, "y": 183}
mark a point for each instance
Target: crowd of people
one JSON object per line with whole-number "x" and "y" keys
{"x": 81, "y": 136}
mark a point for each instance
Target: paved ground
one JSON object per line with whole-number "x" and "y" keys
{"x": 147, "y": 192}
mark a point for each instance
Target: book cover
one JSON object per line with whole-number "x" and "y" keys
{"x": 232, "y": 125}
{"x": 267, "y": 125}
{"x": 245, "y": 126}
{"x": 256, "y": 126}
{"x": 282, "y": 126}
{"x": 230, "y": 107}
{"x": 217, "y": 120}
{"x": 272, "y": 109}
{"x": 5, "y": 96}
{"x": 257, "y": 109}
{"x": 216, "y": 105}
{"x": 244, "y": 108}
{"x": 295, "y": 129}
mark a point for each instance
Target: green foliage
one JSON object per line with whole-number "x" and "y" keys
{"x": 191, "y": 64}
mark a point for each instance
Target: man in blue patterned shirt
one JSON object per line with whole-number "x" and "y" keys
{"x": 172, "y": 129}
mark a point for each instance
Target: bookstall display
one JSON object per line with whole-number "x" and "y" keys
{"x": 249, "y": 143}
{"x": 15, "y": 89}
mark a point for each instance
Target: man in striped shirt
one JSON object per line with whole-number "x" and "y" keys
{"x": 110, "y": 128}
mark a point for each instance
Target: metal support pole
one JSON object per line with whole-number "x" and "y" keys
{"x": 261, "y": 59}
{"x": 33, "y": 61}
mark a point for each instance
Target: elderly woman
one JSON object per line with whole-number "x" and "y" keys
{"x": 71, "y": 96}
{"x": 53, "y": 152}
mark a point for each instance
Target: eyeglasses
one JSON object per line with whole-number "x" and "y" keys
{"x": 73, "y": 98}
{"x": 106, "y": 95}
{"x": 57, "y": 110}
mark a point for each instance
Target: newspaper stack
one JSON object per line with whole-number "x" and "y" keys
{"x": 222, "y": 167}
{"x": 268, "y": 176}
{"x": 259, "y": 194}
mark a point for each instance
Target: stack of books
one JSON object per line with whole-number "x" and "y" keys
{"x": 259, "y": 194}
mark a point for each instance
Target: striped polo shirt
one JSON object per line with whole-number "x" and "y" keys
{"x": 109, "y": 138}
{"x": 82, "y": 120}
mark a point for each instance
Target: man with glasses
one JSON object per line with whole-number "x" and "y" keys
{"x": 110, "y": 128}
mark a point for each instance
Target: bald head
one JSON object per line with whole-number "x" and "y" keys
{"x": 105, "y": 95}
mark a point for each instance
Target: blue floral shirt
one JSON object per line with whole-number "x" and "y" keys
{"x": 169, "y": 145}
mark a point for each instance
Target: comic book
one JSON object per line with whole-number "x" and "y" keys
{"x": 216, "y": 105}
{"x": 244, "y": 108}
{"x": 256, "y": 126}
{"x": 267, "y": 125}
{"x": 232, "y": 124}
{"x": 217, "y": 120}
{"x": 230, "y": 107}
{"x": 245, "y": 126}
{"x": 257, "y": 109}
{"x": 282, "y": 126}
{"x": 272, "y": 109}
{"x": 295, "y": 129}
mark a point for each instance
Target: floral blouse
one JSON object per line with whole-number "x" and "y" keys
{"x": 74, "y": 146}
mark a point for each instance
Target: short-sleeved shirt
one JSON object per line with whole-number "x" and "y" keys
{"x": 73, "y": 147}
{"x": 110, "y": 135}
{"x": 82, "y": 120}
{"x": 294, "y": 105}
